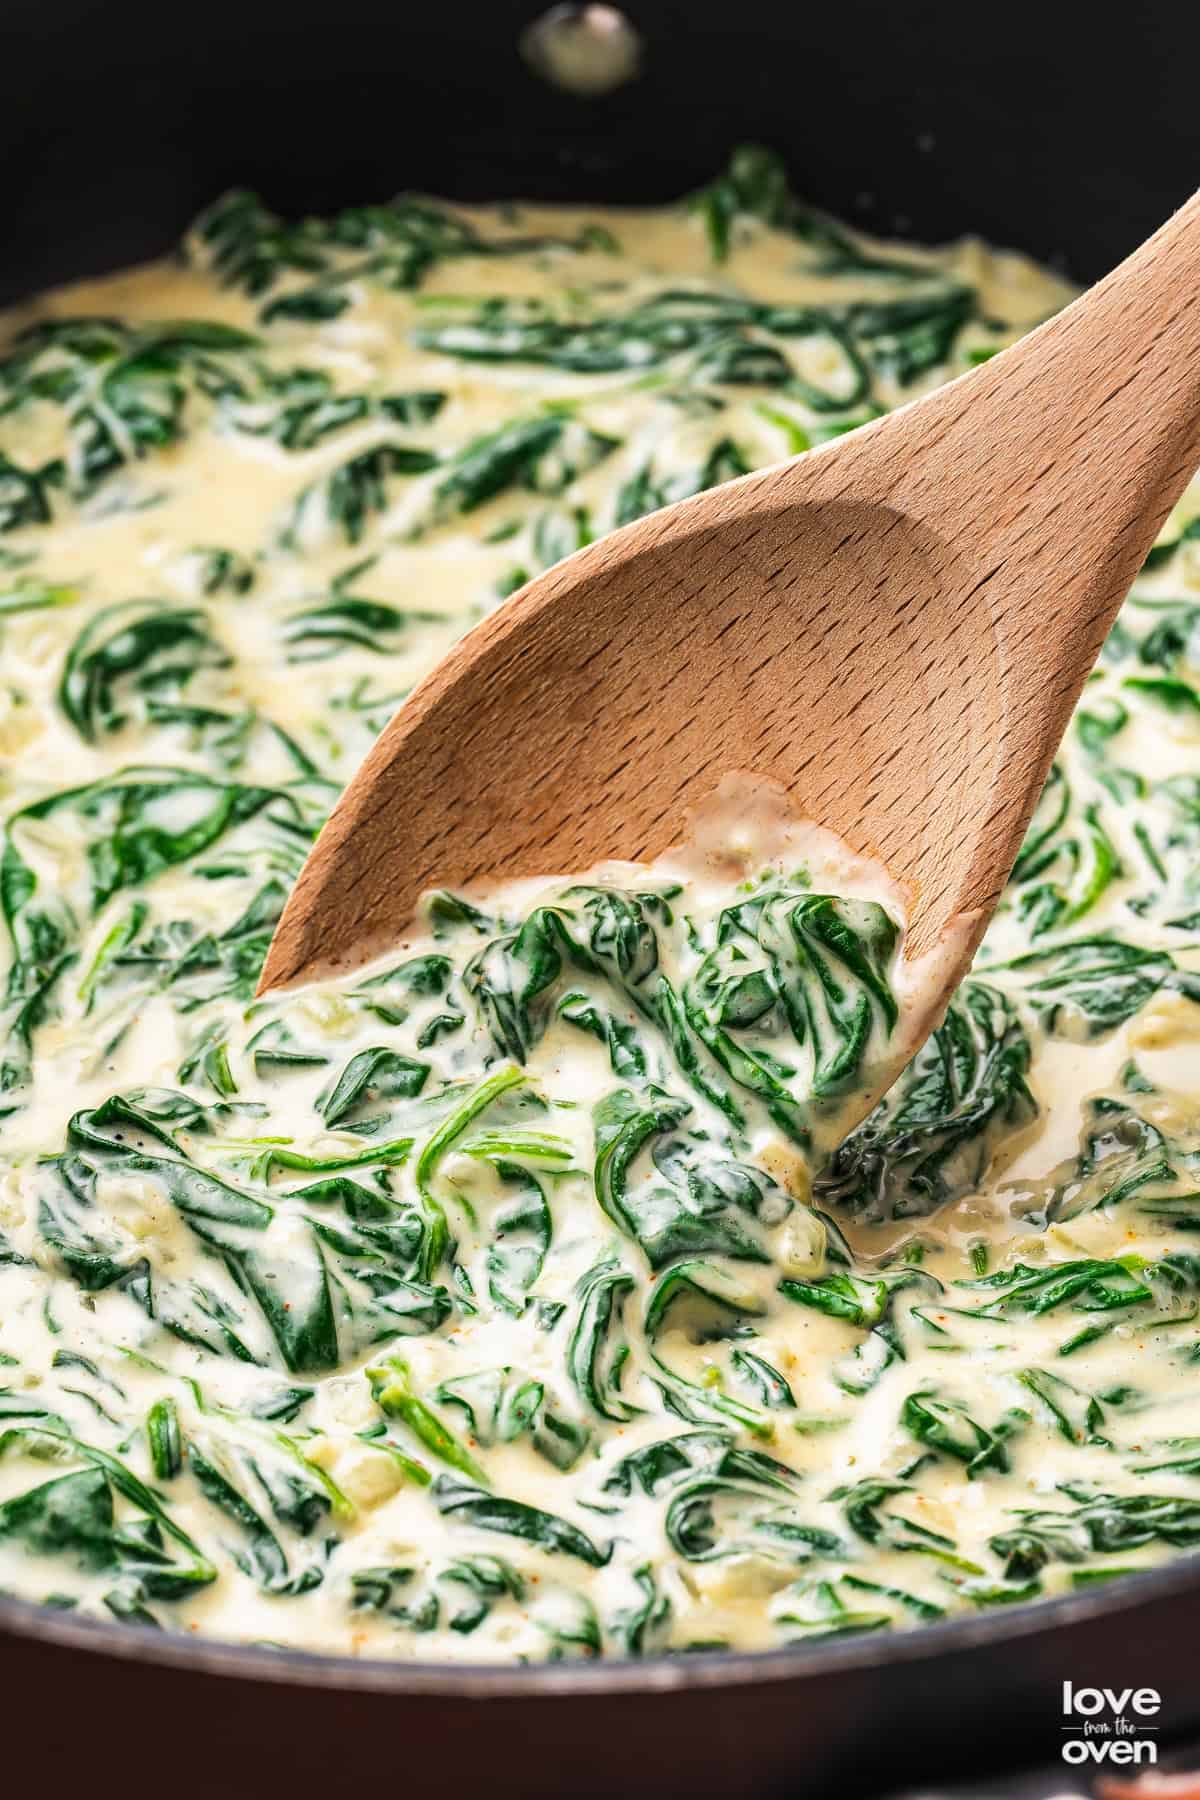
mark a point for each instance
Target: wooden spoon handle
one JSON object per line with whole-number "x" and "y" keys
{"x": 1099, "y": 412}
{"x": 1066, "y": 452}
{"x": 1047, "y": 474}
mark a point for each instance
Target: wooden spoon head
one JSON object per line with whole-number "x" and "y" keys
{"x": 819, "y": 642}
{"x": 893, "y": 629}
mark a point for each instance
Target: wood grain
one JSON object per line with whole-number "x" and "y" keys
{"x": 895, "y": 627}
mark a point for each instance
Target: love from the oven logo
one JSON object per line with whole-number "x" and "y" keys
{"x": 1109, "y": 1725}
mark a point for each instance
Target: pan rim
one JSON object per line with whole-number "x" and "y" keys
{"x": 660, "y": 1675}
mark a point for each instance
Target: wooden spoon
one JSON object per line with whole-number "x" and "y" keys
{"x": 895, "y": 628}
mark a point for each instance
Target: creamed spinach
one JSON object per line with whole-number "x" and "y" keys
{"x": 513, "y": 1298}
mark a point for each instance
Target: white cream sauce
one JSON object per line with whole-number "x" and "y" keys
{"x": 373, "y": 1307}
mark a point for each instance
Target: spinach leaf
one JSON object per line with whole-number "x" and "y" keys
{"x": 252, "y": 249}
{"x": 817, "y": 1609}
{"x": 75, "y": 1516}
{"x": 259, "y": 1552}
{"x": 1162, "y": 553}
{"x": 1101, "y": 980}
{"x": 944, "y": 1424}
{"x": 285, "y": 1276}
{"x": 71, "y": 1514}
{"x": 392, "y": 1390}
{"x": 544, "y": 455}
{"x": 503, "y": 1405}
{"x": 222, "y": 571}
{"x": 310, "y": 410}
{"x": 934, "y": 1136}
{"x": 133, "y": 826}
{"x": 737, "y": 1509}
{"x": 386, "y": 1590}
{"x": 140, "y": 645}
{"x": 344, "y": 501}
{"x": 482, "y": 1580}
{"x": 510, "y": 980}
{"x": 1097, "y": 1284}
{"x": 123, "y": 389}
{"x": 1077, "y": 1415}
{"x": 370, "y": 1076}
{"x": 1099, "y": 1522}
{"x": 249, "y": 247}
{"x": 599, "y": 1350}
{"x": 165, "y": 1439}
{"x": 25, "y": 493}
{"x": 812, "y": 963}
{"x": 521, "y": 1229}
{"x": 626, "y": 1056}
{"x": 459, "y": 1500}
{"x": 705, "y": 1203}
{"x": 771, "y": 1388}
{"x": 345, "y": 621}
{"x": 868, "y": 1506}
{"x": 645, "y": 492}
{"x": 703, "y": 1288}
{"x": 634, "y": 1627}
{"x": 1120, "y": 1154}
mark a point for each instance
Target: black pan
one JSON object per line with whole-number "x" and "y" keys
{"x": 1042, "y": 126}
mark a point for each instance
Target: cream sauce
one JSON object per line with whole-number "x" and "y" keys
{"x": 355, "y": 1275}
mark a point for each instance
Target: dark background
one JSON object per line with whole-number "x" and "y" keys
{"x": 1068, "y": 129}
